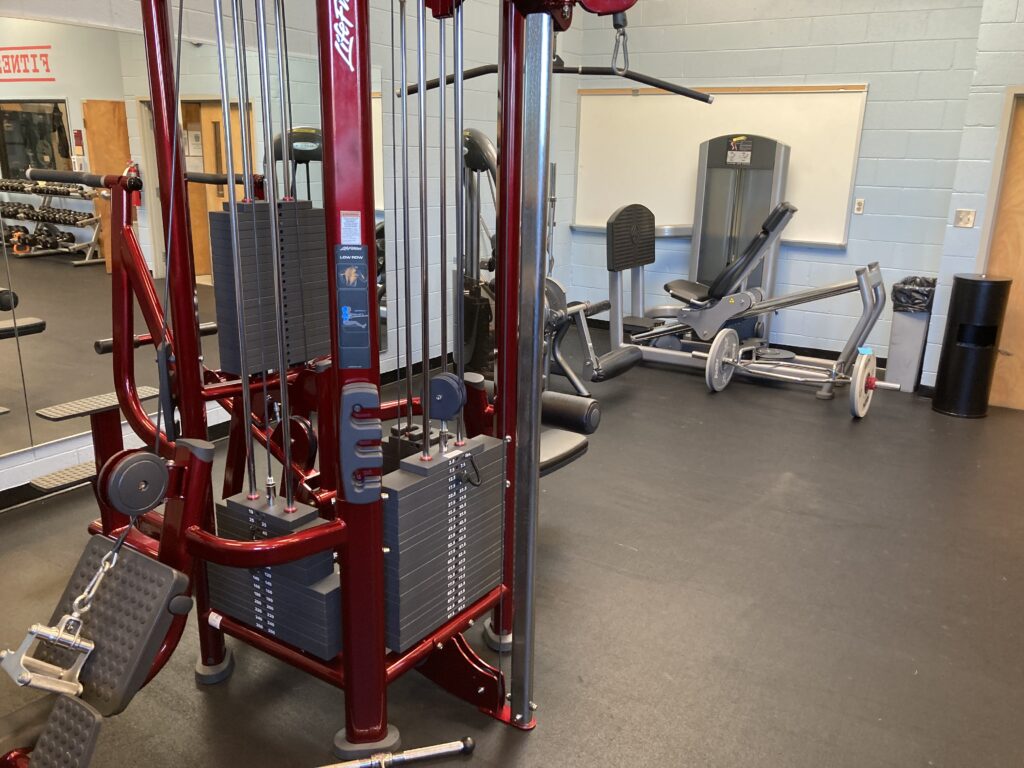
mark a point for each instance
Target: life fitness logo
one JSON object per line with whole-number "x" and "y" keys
{"x": 344, "y": 32}
{"x": 25, "y": 64}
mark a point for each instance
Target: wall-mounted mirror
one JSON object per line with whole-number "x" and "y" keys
{"x": 15, "y": 427}
{"x": 61, "y": 114}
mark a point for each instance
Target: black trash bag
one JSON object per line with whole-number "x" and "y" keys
{"x": 914, "y": 294}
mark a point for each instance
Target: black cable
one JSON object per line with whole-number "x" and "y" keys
{"x": 465, "y": 476}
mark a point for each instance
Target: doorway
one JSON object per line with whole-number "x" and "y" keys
{"x": 1006, "y": 258}
{"x": 203, "y": 122}
{"x": 109, "y": 152}
{"x": 203, "y": 144}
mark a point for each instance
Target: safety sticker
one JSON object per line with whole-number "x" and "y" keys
{"x": 351, "y": 228}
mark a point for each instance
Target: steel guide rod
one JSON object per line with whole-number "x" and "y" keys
{"x": 275, "y": 251}
{"x": 421, "y": 76}
{"x": 460, "y": 215}
{"x": 443, "y": 189}
{"x": 236, "y": 254}
{"x": 536, "y": 119}
{"x": 244, "y": 106}
{"x": 406, "y": 222}
{"x": 285, "y": 97}
{"x": 242, "y": 75}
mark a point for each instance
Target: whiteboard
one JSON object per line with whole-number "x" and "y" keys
{"x": 643, "y": 146}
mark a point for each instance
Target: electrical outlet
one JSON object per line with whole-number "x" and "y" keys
{"x": 858, "y": 206}
{"x": 964, "y": 218}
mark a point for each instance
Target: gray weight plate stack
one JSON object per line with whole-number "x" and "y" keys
{"x": 443, "y": 525}
{"x": 302, "y": 235}
{"x": 300, "y": 602}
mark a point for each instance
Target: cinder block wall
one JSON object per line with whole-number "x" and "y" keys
{"x": 999, "y": 63}
{"x": 918, "y": 59}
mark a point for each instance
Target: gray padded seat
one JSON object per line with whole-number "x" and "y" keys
{"x": 687, "y": 291}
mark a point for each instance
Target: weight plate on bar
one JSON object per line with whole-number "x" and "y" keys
{"x": 136, "y": 483}
{"x": 722, "y": 360}
{"x": 862, "y": 384}
{"x": 447, "y": 396}
{"x": 774, "y": 355}
{"x": 554, "y": 294}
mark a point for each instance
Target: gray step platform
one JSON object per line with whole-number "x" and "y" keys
{"x": 65, "y": 478}
{"x": 26, "y": 326}
{"x": 87, "y": 406}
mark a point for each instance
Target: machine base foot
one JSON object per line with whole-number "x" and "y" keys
{"x": 822, "y": 395}
{"x": 497, "y": 643}
{"x": 347, "y": 750}
{"x": 218, "y": 673}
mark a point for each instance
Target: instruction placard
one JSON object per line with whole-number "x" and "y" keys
{"x": 352, "y": 274}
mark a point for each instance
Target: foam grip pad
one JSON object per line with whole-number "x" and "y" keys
{"x": 572, "y": 412}
{"x": 617, "y": 362}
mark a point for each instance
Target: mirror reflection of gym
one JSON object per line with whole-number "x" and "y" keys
{"x": 99, "y": 123}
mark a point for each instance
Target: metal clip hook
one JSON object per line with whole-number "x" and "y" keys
{"x": 621, "y": 42}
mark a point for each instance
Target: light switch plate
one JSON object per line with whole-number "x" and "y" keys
{"x": 858, "y": 206}
{"x": 964, "y": 218}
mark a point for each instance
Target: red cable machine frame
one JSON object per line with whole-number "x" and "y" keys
{"x": 183, "y": 534}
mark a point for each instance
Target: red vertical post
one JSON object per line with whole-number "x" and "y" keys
{"x": 174, "y": 197}
{"x": 344, "y": 47}
{"x": 509, "y": 204}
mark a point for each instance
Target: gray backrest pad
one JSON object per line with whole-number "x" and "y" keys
{"x": 69, "y": 739}
{"x": 128, "y": 622}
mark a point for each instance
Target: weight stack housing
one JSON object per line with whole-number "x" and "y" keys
{"x": 298, "y": 602}
{"x": 302, "y": 236}
{"x": 443, "y": 529}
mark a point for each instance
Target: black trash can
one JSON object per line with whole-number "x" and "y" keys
{"x": 971, "y": 345}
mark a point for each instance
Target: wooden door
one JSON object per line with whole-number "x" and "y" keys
{"x": 1006, "y": 257}
{"x": 205, "y": 151}
{"x": 198, "y": 213}
{"x": 106, "y": 141}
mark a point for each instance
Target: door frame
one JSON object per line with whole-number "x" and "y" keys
{"x": 995, "y": 188}
{"x": 155, "y": 221}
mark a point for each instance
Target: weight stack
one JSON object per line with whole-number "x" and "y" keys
{"x": 302, "y": 235}
{"x": 443, "y": 529}
{"x": 298, "y": 603}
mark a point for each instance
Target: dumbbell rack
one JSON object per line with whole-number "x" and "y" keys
{"x": 90, "y": 246}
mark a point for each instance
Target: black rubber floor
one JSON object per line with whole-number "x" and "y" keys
{"x": 745, "y": 579}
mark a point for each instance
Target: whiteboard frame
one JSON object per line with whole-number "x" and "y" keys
{"x": 682, "y": 230}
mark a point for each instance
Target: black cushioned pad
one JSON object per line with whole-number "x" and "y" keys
{"x": 687, "y": 290}
{"x": 630, "y": 238}
{"x": 128, "y": 621}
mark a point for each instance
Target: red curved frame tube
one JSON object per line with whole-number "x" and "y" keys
{"x": 264, "y": 553}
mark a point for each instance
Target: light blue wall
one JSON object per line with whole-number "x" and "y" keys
{"x": 917, "y": 57}
{"x": 999, "y": 63}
